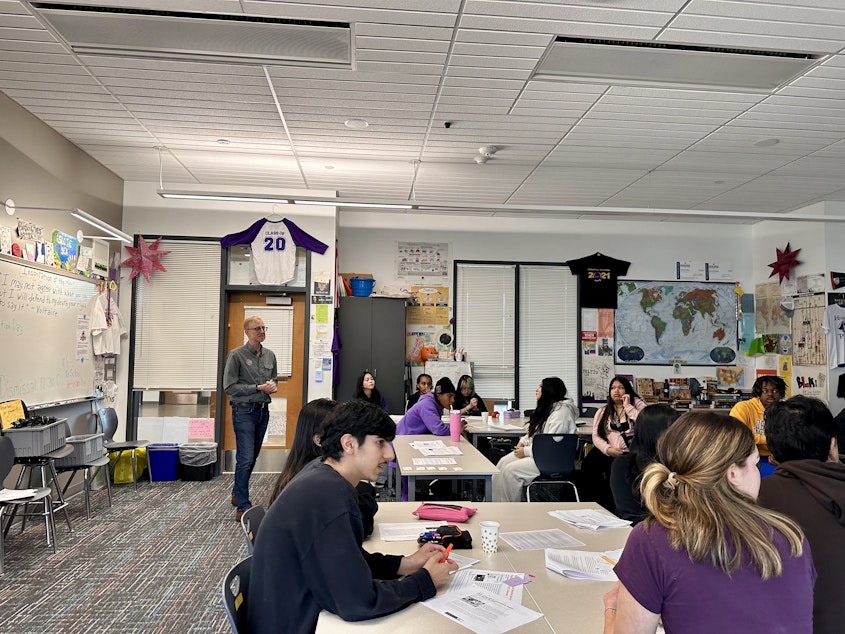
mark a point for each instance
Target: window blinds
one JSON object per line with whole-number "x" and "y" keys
{"x": 548, "y": 327}
{"x": 177, "y": 320}
{"x": 485, "y": 307}
{"x": 279, "y": 335}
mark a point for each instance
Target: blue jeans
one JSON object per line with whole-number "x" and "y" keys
{"x": 250, "y": 423}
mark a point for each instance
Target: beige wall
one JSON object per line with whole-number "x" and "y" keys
{"x": 40, "y": 168}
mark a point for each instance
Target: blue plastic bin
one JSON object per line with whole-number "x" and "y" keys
{"x": 163, "y": 460}
{"x": 361, "y": 286}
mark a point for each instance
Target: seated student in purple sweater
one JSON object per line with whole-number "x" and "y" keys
{"x": 708, "y": 558}
{"x": 424, "y": 417}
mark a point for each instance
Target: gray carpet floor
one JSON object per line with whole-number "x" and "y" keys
{"x": 153, "y": 562}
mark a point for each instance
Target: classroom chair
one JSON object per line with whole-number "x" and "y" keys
{"x": 7, "y": 461}
{"x": 236, "y": 594}
{"x": 109, "y": 422}
{"x": 95, "y": 462}
{"x": 250, "y": 521}
{"x": 554, "y": 455}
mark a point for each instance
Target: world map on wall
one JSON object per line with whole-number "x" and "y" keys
{"x": 660, "y": 323}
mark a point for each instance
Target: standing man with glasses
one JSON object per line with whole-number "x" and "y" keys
{"x": 766, "y": 390}
{"x": 249, "y": 379}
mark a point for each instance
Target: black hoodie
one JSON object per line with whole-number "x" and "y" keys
{"x": 813, "y": 494}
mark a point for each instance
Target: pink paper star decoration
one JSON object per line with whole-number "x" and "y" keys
{"x": 786, "y": 259}
{"x": 145, "y": 258}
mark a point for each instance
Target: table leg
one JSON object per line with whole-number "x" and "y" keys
{"x": 488, "y": 488}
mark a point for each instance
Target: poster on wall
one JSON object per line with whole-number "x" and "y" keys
{"x": 785, "y": 372}
{"x": 663, "y": 323}
{"x": 809, "y": 380}
{"x": 422, "y": 259}
{"x": 428, "y": 305}
{"x": 808, "y": 338}
{"x": 425, "y": 342}
{"x": 596, "y": 372}
{"x": 770, "y": 316}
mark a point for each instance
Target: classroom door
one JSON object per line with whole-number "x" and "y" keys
{"x": 287, "y": 401}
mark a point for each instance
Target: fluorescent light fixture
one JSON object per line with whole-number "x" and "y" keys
{"x": 226, "y": 197}
{"x": 99, "y": 224}
{"x": 340, "y": 203}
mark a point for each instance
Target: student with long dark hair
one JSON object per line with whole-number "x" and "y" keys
{"x": 613, "y": 427}
{"x": 365, "y": 389}
{"x": 626, "y": 470}
{"x": 554, "y": 414}
{"x": 306, "y": 447}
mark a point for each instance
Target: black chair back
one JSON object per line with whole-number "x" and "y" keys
{"x": 108, "y": 419}
{"x": 554, "y": 454}
{"x": 250, "y": 521}
{"x": 7, "y": 458}
{"x": 236, "y": 595}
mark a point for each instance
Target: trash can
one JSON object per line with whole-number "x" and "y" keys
{"x": 163, "y": 460}
{"x": 197, "y": 461}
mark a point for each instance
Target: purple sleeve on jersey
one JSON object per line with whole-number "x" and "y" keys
{"x": 243, "y": 237}
{"x": 303, "y": 239}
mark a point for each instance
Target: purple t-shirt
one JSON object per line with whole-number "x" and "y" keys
{"x": 423, "y": 418}
{"x": 697, "y": 598}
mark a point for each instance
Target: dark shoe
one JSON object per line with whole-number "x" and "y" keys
{"x": 234, "y": 501}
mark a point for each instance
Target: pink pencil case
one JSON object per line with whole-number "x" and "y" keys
{"x": 444, "y": 512}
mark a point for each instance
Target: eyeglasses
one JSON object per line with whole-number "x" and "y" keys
{"x": 259, "y": 329}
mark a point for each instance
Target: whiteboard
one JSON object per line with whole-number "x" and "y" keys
{"x": 40, "y": 327}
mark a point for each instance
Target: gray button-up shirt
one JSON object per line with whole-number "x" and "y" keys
{"x": 245, "y": 371}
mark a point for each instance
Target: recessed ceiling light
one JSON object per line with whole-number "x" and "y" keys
{"x": 223, "y": 142}
{"x": 356, "y": 124}
{"x": 766, "y": 142}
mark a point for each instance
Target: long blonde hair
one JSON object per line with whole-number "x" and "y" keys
{"x": 688, "y": 492}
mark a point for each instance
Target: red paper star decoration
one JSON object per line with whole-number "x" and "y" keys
{"x": 786, "y": 259}
{"x": 145, "y": 258}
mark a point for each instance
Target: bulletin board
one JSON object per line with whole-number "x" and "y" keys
{"x": 44, "y": 337}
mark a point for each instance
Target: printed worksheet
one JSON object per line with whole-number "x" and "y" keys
{"x": 481, "y": 611}
{"x": 539, "y": 540}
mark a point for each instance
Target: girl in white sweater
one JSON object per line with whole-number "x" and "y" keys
{"x": 555, "y": 414}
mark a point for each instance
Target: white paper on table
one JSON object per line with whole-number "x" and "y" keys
{"x": 463, "y": 562}
{"x": 578, "y": 564}
{"x": 491, "y": 580}
{"x": 539, "y": 540}
{"x": 590, "y": 518}
{"x": 7, "y": 495}
{"x": 434, "y": 461}
{"x": 406, "y": 531}
{"x": 509, "y": 427}
{"x": 440, "y": 451}
{"x": 419, "y": 444}
{"x": 481, "y": 611}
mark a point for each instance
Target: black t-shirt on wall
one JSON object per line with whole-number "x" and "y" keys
{"x": 599, "y": 274}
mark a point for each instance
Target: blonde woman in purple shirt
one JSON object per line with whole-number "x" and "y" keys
{"x": 709, "y": 558}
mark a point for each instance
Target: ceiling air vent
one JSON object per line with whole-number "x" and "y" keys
{"x": 670, "y": 65}
{"x": 238, "y": 39}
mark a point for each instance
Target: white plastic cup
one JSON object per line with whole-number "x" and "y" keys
{"x": 455, "y": 426}
{"x": 489, "y": 537}
{"x": 485, "y": 416}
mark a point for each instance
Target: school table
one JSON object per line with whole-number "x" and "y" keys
{"x": 475, "y": 429}
{"x": 470, "y": 465}
{"x": 567, "y": 605}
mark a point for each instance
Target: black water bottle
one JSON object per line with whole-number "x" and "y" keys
{"x": 666, "y": 388}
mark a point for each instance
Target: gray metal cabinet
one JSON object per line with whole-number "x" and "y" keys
{"x": 372, "y": 336}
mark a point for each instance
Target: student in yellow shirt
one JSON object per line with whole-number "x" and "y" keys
{"x": 766, "y": 390}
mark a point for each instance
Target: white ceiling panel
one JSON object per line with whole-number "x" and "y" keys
{"x": 468, "y": 63}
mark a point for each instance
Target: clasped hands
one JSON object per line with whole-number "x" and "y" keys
{"x": 268, "y": 387}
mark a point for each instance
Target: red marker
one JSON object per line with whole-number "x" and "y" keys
{"x": 446, "y": 554}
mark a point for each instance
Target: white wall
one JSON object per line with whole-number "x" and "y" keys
{"x": 145, "y": 212}
{"x": 366, "y": 246}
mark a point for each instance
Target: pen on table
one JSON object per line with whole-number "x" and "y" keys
{"x": 446, "y": 554}
{"x": 608, "y": 560}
